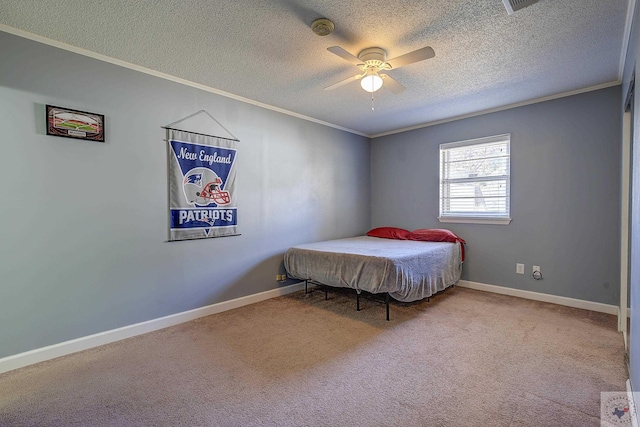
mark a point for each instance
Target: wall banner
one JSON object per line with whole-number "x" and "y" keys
{"x": 202, "y": 186}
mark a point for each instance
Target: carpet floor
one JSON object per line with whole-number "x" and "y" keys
{"x": 467, "y": 358}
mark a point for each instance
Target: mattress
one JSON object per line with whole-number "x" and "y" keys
{"x": 408, "y": 270}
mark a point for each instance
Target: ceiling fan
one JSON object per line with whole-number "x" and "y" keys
{"x": 373, "y": 65}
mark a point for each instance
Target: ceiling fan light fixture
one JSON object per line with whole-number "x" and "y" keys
{"x": 372, "y": 61}
{"x": 371, "y": 82}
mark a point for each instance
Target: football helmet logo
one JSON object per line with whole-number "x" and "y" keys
{"x": 202, "y": 187}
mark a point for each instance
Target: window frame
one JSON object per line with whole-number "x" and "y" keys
{"x": 498, "y": 219}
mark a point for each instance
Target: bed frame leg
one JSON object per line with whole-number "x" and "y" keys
{"x": 386, "y": 298}
{"x": 326, "y": 293}
{"x": 428, "y": 299}
{"x": 306, "y": 291}
{"x": 357, "y": 301}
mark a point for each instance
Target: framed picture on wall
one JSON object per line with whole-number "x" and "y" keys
{"x": 75, "y": 124}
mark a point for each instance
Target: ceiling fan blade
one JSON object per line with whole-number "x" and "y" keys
{"x": 337, "y": 50}
{"x": 411, "y": 57}
{"x": 344, "y": 82}
{"x": 391, "y": 84}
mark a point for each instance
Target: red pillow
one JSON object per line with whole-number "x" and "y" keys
{"x": 389, "y": 233}
{"x": 437, "y": 235}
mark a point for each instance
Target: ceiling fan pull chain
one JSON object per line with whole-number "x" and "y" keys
{"x": 372, "y": 101}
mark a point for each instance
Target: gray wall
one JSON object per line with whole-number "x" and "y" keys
{"x": 565, "y": 194}
{"x": 633, "y": 53}
{"x": 83, "y": 225}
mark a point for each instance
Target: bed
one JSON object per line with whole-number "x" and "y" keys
{"x": 405, "y": 270}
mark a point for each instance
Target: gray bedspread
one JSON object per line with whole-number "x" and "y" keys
{"x": 408, "y": 270}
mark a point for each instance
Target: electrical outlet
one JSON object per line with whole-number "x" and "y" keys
{"x": 283, "y": 277}
{"x": 277, "y": 277}
{"x": 520, "y": 268}
{"x": 536, "y": 272}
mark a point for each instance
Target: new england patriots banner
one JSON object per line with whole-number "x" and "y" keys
{"x": 202, "y": 186}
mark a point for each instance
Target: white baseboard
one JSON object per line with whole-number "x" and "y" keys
{"x": 625, "y": 338}
{"x": 554, "y": 299}
{"x": 627, "y": 311}
{"x": 61, "y": 349}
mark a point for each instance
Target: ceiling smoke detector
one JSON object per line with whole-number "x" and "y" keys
{"x": 322, "y": 26}
{"x": 515, "y": 5}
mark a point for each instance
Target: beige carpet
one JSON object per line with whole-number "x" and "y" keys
{"x": 467, "y": 358}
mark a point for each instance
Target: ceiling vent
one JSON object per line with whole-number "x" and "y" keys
{"x": 515, "y": 5}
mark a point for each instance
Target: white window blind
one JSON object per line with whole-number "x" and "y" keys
{"x": 475, "y": 180}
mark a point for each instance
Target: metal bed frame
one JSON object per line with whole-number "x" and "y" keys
{"x": 358, "y": 294}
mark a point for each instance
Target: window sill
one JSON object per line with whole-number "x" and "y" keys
{"x": 474, "y": 220}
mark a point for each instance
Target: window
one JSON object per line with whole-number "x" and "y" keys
{"x": 475, "y": 180}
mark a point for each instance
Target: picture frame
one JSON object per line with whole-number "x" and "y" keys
{"x": 75, "y": 124}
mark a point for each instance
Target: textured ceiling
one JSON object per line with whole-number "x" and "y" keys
{"x": 265, "y": 50}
